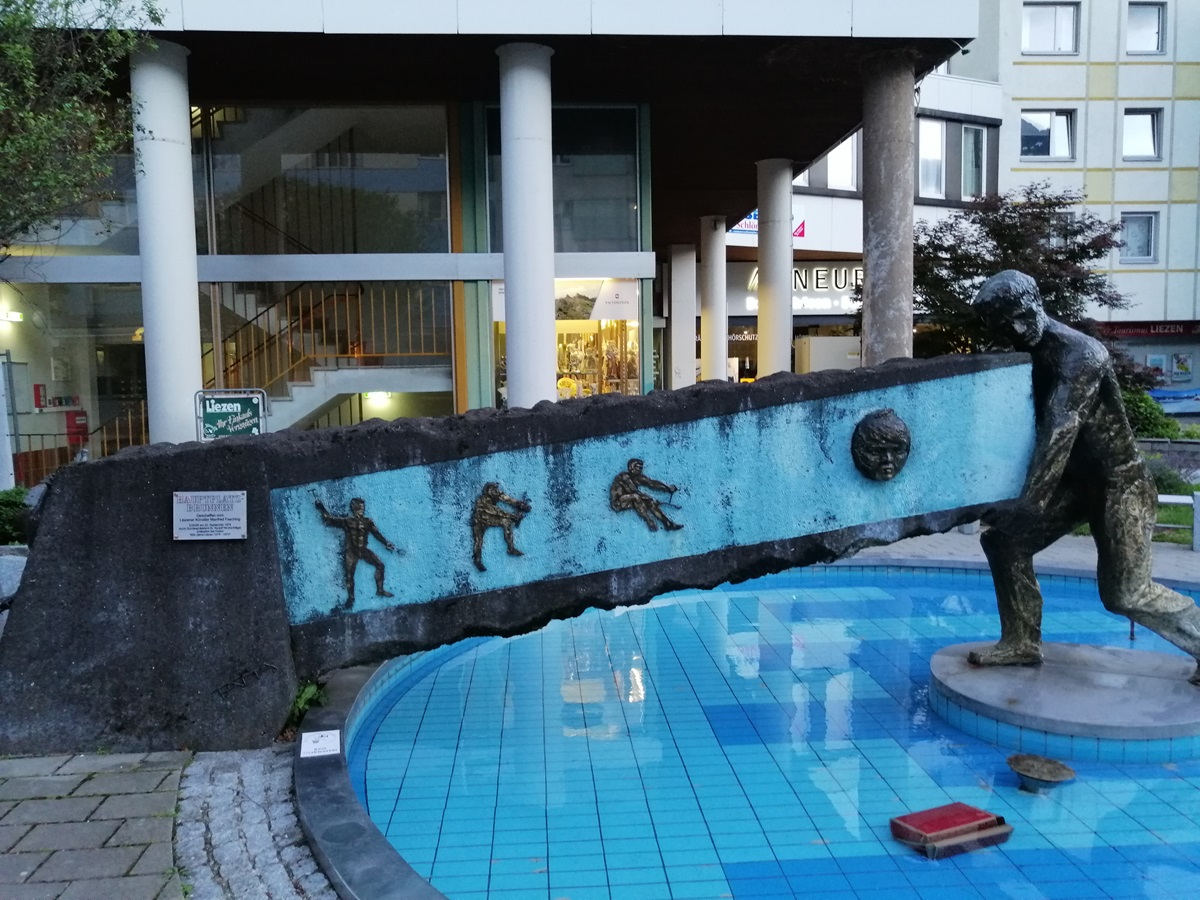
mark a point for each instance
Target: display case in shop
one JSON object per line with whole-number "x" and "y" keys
{"x": 597, "y": 357}
{"x": 596, "y": 333}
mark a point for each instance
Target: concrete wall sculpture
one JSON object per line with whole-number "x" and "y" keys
{"x": 386, "y": 538}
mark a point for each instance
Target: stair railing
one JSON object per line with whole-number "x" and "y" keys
{"x": 401, "y": 324}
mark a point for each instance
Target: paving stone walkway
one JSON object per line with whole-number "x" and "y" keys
{"x": 92, "y": 827}
{"x": 154, "y": 826}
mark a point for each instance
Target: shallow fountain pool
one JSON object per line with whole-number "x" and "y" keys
{"x": 751, "y": 741}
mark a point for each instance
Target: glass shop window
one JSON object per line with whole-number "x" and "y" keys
{"x": 597, "y": 337}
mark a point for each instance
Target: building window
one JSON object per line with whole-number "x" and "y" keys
{"x": 973, "y": 154}
{"x": 1059, "y": 230}
{"x": 1146, "y": 27}
{"x": 1142, "y": 134}
{"x": 1050, "y": 28}
{"x": 596, "y": 184}
{"x": 305, "y": 180}
{"x": 1047, "y": 133}
{"x": 801, "y": 180}
{"x": 1139, "y": 231}
{"x": 931, "y": 149}
{"x": 841, "y": 166}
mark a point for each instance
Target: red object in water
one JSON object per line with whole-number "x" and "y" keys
{"x": 946, "y": 830}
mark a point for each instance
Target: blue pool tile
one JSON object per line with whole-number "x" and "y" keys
{"x": 454, "y": 885}
{"x": 634, "y": 860}
{"x": 584, "y": 878}
{"x": 697, "y": 890}
{"x": 642, "y": 892}
{"x": 646, "y": 875}
{"x": 819, "y": 884}
{"x": 1119, "y": 888}
{"x": 769, "y": 767}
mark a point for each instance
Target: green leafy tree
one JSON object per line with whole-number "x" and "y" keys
{"x": 1048, "y": 235}
{"x": 1036, "y": 229}
{"x": 64, "y": 104}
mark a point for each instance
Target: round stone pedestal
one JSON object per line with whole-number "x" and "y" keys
{"x": 1084, "y": 703}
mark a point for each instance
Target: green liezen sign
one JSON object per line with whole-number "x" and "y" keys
{"x": 224, "y": 415}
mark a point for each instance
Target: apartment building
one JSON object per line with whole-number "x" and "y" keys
{"x": 1098, "y": 96}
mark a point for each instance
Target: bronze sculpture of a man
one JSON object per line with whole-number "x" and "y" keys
{"x": 357, "y": 528}
{"x": 624, "y": 493}
{"x": 488, "y": 513}
{"x": 1085, "y": 468}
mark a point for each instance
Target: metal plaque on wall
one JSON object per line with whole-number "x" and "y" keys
{"x": 209, "y": 515}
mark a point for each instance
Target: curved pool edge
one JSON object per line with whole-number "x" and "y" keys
{"x": 349, "y": 848}
{"x": 354, "y": 854}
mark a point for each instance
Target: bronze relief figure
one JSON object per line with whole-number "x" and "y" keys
{"x": 357, "y": 528}
{"x": 625, "y": 493}
{"x": 488, "y": 513}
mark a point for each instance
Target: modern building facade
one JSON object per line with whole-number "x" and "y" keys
{"x": 1103, "y": 97}
{"x": 1098, "y": 96}
{"x": 428, "y": 209}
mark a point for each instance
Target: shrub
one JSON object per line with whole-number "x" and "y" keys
{"x": 12, "y": 516}
{"x": 1147, "y": 418}
{"x": 1167, "y": 478}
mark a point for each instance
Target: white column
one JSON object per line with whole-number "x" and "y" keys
{"x": 527, "y": 176}
{"x": 8, "y": 475}
{"x": 774, "y": 266}
{"x": 162, "y": 142}
{"x": 682, "y": 322}
{"x": 714, "y": 310}
{"x": 888, "y": 163}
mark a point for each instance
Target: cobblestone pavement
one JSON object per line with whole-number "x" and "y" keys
{"x": 237, "y": 836}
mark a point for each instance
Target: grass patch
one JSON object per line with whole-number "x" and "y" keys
{"x": 1175, "y": 515}
{"x": 1167, "y": 515}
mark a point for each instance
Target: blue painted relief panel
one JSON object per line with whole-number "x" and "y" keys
{"x": 750, "y": 477}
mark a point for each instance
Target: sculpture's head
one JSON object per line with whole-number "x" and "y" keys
{"x": 1011, "y": 305}
{"x": 880, "y": 445}
{"x": 635, "y": 466}
{"x": 491, "y": 490}
{"x": 357, "y": 505}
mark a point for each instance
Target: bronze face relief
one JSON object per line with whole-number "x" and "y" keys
{"x": 625, "y": 493}
{"x": 488, "y": 513}
{"x": 357, "y": 528}
{"x": 880, "y": 445}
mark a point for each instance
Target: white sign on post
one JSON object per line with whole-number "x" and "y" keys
{"x": 209, "y": 515}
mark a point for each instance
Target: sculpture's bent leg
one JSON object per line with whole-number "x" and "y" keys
{"x": 1019, "y": 600}
{"x": 1123, "y": 535}
{"x": 1018, "y": 594}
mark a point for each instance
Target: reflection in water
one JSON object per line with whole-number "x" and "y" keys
{"x": 779, "y": 724}
{"x": 602, "y": 670}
